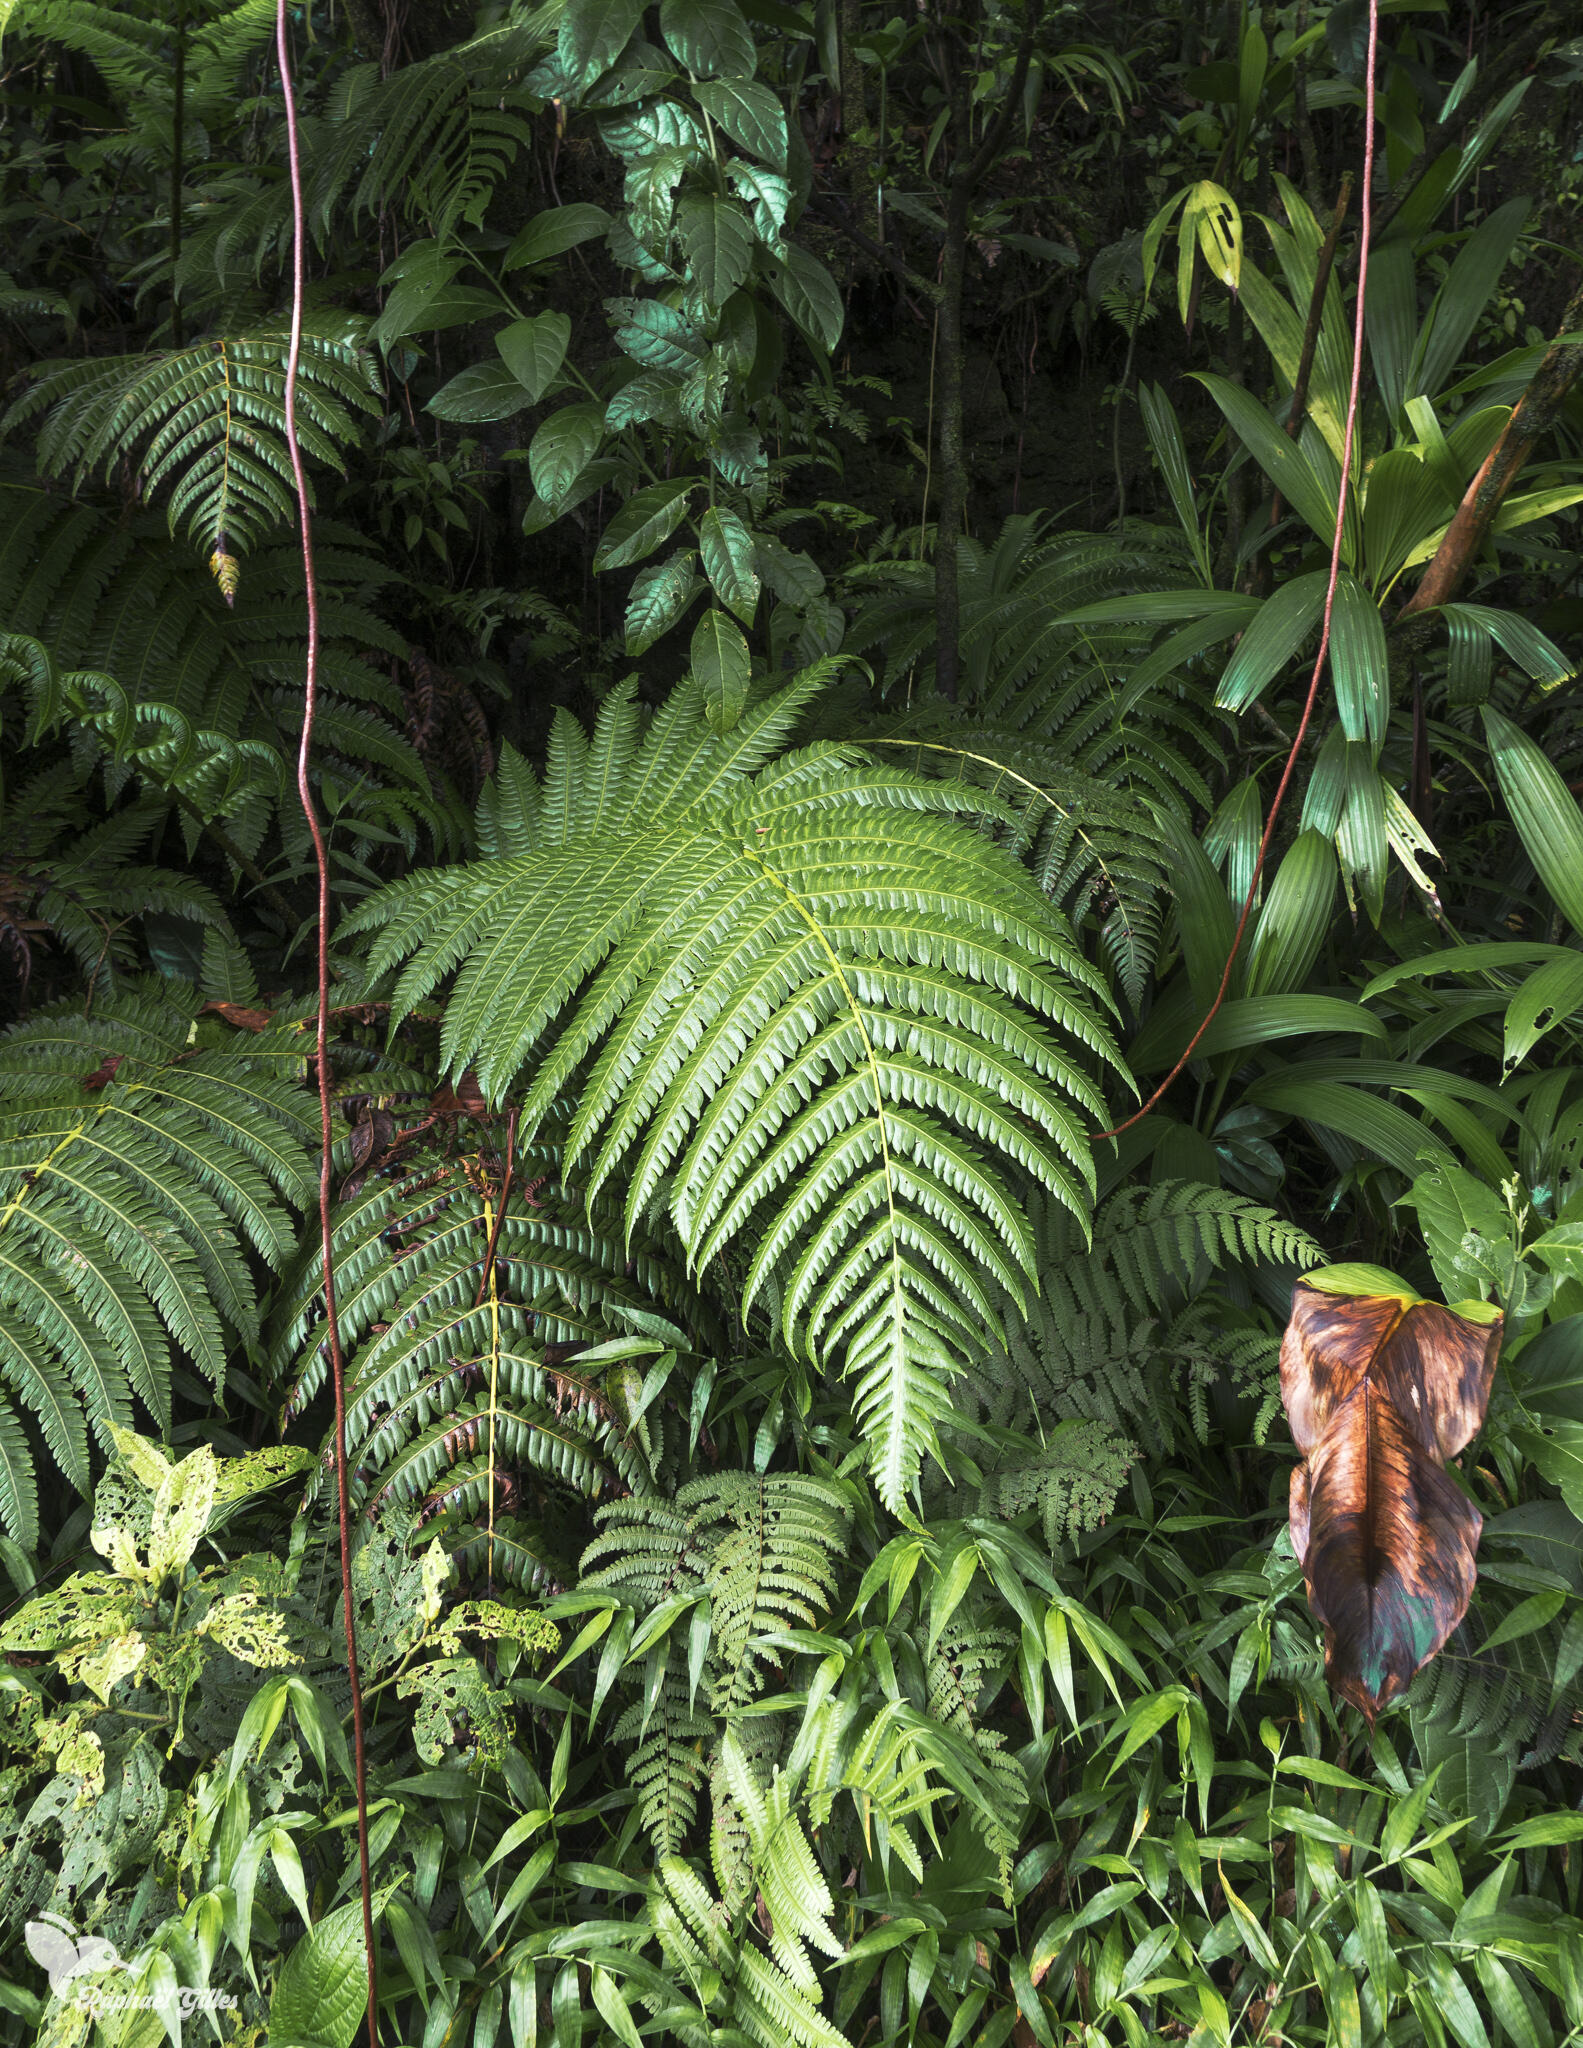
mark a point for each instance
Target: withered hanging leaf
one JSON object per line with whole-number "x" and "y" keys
{"x": 1381, "y": 1388}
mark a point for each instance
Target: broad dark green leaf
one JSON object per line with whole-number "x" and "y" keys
{"x": 322, "y": 1992}
{"x": 563, "y": 448}
{"x": 593, "y": 34}
{"x": 710, "y": 37}
{"x": 717, "y": 240}
{"x": 483, "y": 391}
{"x": 727, "y": 549}
{"x": 661, "y": 593}
{"x": 808, "y": 292}
{"x": 553, "y": 233}
{"x": 649, "y": 517}
{"x": 534, "y": 350}
{"x": 750, "y": 113}
{"x": 722, "y": 663}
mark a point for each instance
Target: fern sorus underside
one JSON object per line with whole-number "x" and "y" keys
{"x": 823, "y": 1022}
{"x": 137, "y": 1167}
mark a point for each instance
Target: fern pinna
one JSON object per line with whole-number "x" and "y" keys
{"x": 143, "y": 1153}
{"x": 824, "y": 1023}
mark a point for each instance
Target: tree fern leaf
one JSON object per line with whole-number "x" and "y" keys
{"x": 18, "y": 1488}
{"x": 29, "y": 1361}
{"x": 902, "y": 1365}
{"x": 705, "y": 958}
{"x": 81, "y": 1262}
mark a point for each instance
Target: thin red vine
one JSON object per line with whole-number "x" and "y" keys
{"x": 299, "y": 239}
{"x": 1330, "y": 590}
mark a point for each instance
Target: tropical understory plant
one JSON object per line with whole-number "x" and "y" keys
{"x": 828, "y": 1565}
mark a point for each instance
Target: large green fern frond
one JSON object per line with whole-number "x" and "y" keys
{"x": 136, "y": 1167}
{"x": 1124, "y": 1342}
{"x": 206, "y": 422}
{"x": 433, "y": 139}
{"x": 823, "y": 1022}
{"x": 1096, "y": 849}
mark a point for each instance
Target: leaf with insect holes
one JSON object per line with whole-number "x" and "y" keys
{"x": 1381, "y": 1388}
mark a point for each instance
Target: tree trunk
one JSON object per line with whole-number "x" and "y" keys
{"x": 953, "y": 448}
{"x": 857, "y": 150}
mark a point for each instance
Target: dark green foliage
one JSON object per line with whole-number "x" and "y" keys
{"x": 822, "y": 1574}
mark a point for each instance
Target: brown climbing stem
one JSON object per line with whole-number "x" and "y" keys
{"x": 321, "y": 856}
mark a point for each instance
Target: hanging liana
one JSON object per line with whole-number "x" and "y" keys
{"x": 322, "y": 1059}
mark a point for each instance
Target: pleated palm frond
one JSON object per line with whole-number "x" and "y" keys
{"x": 207, "y": 423}
{"x": 458, "y": 1390}
{"x": 830, "y": 1026}
{"x": 139, "y": 1170}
